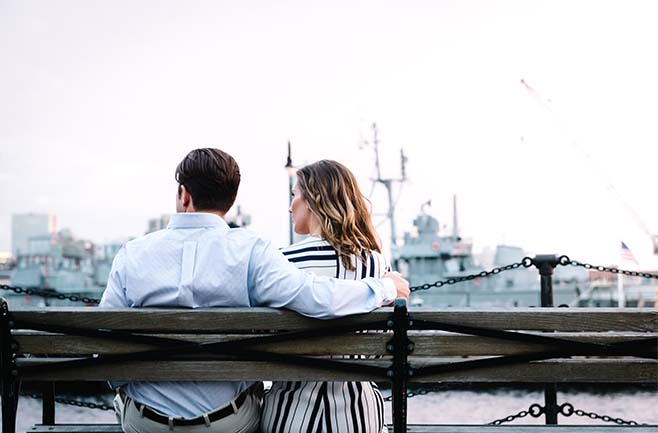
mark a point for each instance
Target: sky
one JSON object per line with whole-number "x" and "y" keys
{"x": 100, "y": 100}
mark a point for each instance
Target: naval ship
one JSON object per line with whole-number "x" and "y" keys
{"x": 429, "y": 256}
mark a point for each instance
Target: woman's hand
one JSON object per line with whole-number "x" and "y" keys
{"x": 401, "y": 285}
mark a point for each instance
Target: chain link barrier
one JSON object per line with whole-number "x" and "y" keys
{"x": 535, "y": 410}
{"x": 49, "y": 294}
{"x": 70, "y": 402}
{"x": 526, "y": 263}
{"x": 423, "y": 391}
{"x": 566, "y": 261}
{"x": 566, "y": 409}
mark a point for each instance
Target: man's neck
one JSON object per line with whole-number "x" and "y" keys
{"x": 213, "y": 212}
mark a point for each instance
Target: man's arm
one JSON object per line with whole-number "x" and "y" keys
{"x": 275, "y": 282}
{"x": 115, "y": 292}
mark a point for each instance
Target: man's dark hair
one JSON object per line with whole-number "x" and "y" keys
{"x": 212, "y": 178}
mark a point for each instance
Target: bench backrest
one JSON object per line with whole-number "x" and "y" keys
{"x": 613, "y": 345}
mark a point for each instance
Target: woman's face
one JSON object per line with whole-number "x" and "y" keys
{"x": 301, "y": 214}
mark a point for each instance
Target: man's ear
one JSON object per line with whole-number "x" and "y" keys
{"x": 185, "y": 197}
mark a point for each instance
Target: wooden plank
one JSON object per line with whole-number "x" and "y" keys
{"x": 576, "y": 370}
{"x": 426, "y": 343}
{"x": 59, "y": 344}
{"x": 558, "y": 371}
{"x": 552, "y": 319}
{"x": 411, "y": 428}
{"x": 448, "y": 344}
{"x": 241, "y": 319}
{"x": 76, "y": 428}
{"x": 533, "y": 428}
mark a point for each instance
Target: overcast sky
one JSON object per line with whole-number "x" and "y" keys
{"x": 101, "y": 99}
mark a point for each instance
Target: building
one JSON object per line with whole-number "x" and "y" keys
{"x": 158, "y": 223}
{"x": 27, "y": 226}
{"x": 103, "y": 257}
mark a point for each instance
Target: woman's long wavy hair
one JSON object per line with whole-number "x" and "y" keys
{"x": 333, "y": 196}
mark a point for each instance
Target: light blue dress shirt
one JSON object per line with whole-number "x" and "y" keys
{"x": 199, "y": 261}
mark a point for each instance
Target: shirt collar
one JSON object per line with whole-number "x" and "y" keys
{"x": 193, "y": 220}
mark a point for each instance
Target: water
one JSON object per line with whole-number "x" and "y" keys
{"x": 452, "y": 407}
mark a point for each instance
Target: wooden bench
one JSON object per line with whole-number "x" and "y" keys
{"x": 425, "y": 345}
{"x": 444, "y": 428}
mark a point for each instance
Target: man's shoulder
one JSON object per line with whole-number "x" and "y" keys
{"x": 243, "y": 234}
{"x": 149, "y": 237}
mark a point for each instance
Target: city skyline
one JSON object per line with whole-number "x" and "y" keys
{"x": 103, "y": 99}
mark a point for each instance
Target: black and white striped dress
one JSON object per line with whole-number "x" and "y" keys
{"x": 337, "y": 407}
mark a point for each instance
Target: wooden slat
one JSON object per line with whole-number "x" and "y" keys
{"x": 448, "y": 344}
{"x": 224, "y": 319}
{"x": 411, "y": 428}
{"x": 76, "y": 428}
{"x": 558, "y": 371}
{"x": 58, "y": 344}
{"x": 529, "y": 429}
{"x": 426, "y": 343}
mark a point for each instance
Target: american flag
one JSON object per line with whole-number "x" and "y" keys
{"x": 626, "y": 255}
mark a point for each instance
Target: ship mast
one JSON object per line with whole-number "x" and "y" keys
{"x": 291, "y": 175}
{"x": 388, "y": 184}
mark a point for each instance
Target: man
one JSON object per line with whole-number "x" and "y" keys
{"x": 198, "y": 261}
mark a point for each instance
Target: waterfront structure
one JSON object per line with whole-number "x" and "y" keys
{"x": 103, "y": 257}
{"x": 57, "y": 262}
{"x": 158, "y": 223}
{"x": 26, "y": 226}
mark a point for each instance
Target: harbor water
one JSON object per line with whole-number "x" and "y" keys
{"x": 451, "y": 407}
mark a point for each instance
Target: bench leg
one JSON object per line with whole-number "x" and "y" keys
{"x": 48, "y": 404}
{"x": 399, "y": 392}
{"x": 9, "y": 406}
{"x": 8, "y": 368}
{"x": 399, "y": 346}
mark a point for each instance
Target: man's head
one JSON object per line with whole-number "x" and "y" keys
{"x": 208, "y": 180}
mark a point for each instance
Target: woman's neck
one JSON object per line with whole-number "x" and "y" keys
{"x": 314, "y": 228}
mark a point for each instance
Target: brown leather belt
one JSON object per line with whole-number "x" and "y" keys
{"x": 213, "y": 416}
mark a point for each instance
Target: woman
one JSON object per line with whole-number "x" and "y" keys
{"x": 329, "y": 207}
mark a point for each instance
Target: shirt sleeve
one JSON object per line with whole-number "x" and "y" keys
{"x": 115, "y": 292}
{"x": 275, "y": 282}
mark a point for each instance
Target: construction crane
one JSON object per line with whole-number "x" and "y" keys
{"x": 608, "y": 183}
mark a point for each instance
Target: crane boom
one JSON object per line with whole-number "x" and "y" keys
{"x": 588, "y": 157}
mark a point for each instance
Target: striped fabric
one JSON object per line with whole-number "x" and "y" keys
{"x": 354, "y": 407}
{"x": 318, "y": 257}
{"x": 314, "y": 407}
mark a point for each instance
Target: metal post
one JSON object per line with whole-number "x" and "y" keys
{"x": 546, "y": 263}
{"x": 400, "y": 347}
{"x": 391, "y": 215}
{"x": 8, "y": 368}
{"x": 48, "y": 404}
{"x": 291, "y": 174}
